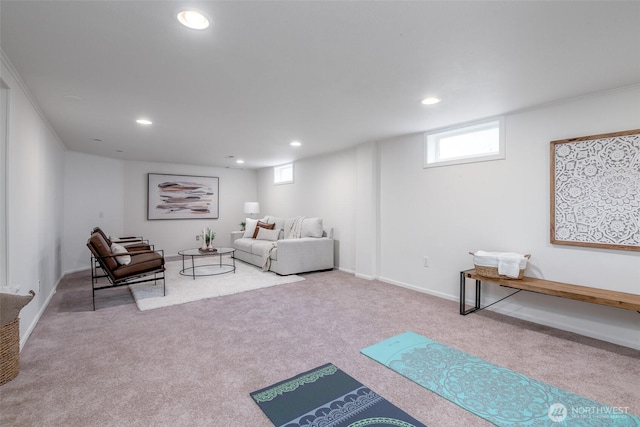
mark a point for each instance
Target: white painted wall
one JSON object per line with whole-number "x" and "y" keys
{"x": 94, "y": 197}
{"x": 446, "y": 212}
{"x": 367, "y": 227}
{"x": 112, "y": 194}
{"x": 35, "y": 191}
{"x": 325, "y": 187}
{"x": 440, "y": 212}
{"x": 389, "y": 212}
{"x": 236, "y": 187}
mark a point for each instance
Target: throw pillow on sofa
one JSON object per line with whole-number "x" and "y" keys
{"x": 311, "y": 227}
{"x": 278, "y": 221}
{"x": 250, "y": 227}
{"x": 267, "y": 234}
{"x": 260, "y": 225}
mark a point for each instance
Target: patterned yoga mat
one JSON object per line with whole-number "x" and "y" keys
{"x": 326, "y": 396}
{"x": 499, "y": 395}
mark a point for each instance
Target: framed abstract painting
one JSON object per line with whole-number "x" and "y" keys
{"x": 182, "y": 197}
{"x": 595, "y": 191}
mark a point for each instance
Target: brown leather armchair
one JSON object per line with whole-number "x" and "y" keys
{"x": 137, "y": 242}
{"x": 133, "y": 266}
{"x": 131, "y": 243}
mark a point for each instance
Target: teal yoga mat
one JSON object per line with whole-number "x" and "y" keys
{"x": 499, "y": 395}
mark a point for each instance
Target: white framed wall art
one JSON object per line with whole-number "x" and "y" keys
{"x": 182, "y": 197}
{"x": 595, "y": 191}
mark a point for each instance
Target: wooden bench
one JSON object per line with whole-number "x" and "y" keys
{"x": 547, "y": 287}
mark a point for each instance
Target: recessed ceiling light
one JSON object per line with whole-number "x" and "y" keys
{"x": 240, "y": 161}
{"x": 193, "y": 19}
{"x": 144, "y": 122}
{"x": 295, "y": 143}
{"x": 431, "y": 100}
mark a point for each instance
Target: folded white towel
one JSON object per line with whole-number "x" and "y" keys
{"x": 484, "y": 253}
{"x": 509, "y": 265}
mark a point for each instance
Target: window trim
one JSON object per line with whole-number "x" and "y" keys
{"x": 431, "y": 139}
{"x": 279, "y": 168}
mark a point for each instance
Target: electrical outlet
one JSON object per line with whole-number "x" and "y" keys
{"x": 426, "y": 261}
{"x": 198, "y": 237}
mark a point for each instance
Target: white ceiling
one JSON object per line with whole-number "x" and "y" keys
{"x": 332, "y": 74}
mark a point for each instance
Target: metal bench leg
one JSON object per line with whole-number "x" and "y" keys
{"x": 463, "y": 282}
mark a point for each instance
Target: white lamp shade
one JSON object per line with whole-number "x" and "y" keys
{"x": 251, "y": 207}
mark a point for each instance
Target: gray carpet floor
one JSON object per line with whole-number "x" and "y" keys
{"x": 195, "y": 364}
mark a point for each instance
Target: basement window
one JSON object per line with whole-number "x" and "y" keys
{"x": 283, "y": 174}
{"x": 475, "y": 142}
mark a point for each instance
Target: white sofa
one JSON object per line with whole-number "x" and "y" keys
{"x": 280, "y": 251}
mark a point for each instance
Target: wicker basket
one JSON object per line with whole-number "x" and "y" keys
{"x": 9, "y": 351}
{"x": 492, "y": 272}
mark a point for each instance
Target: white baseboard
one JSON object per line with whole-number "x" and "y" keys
{"x": 415, "y": 288}
{"x": 541, "y": 321}
{"x": 35, "y": 321}
{"x": 75, "y": 270}
{"x": 569, "y": 328}
{"x": 577, "y": 330}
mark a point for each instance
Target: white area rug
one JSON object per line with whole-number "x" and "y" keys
{"x": 182, "y": 289}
